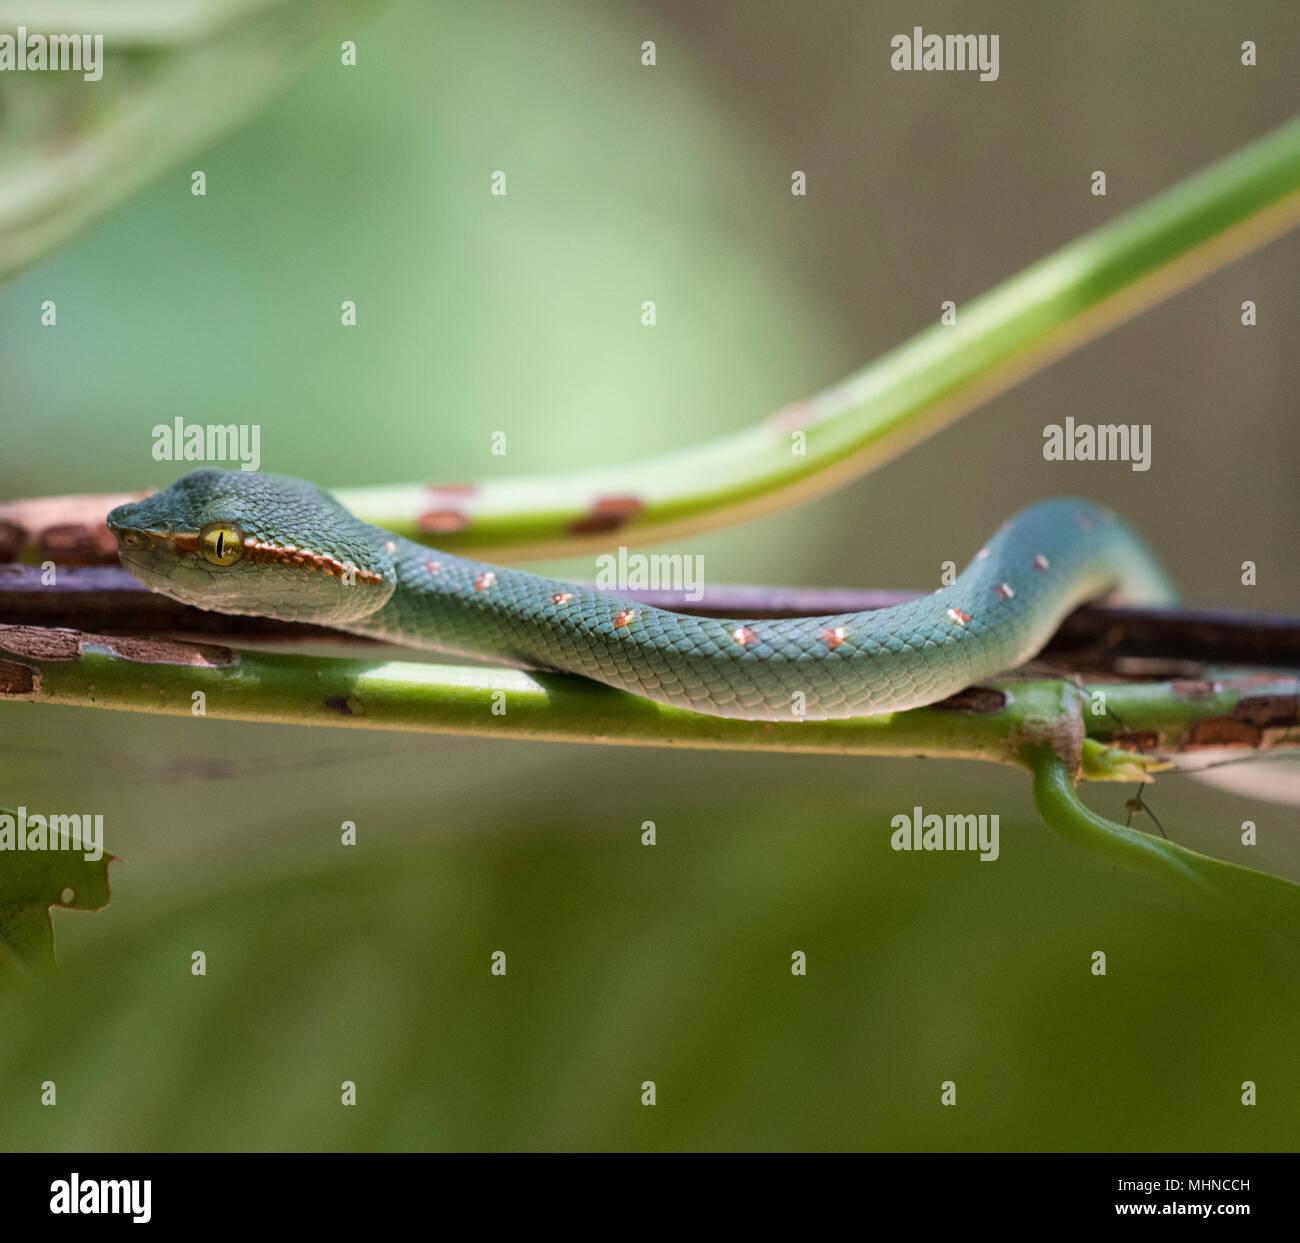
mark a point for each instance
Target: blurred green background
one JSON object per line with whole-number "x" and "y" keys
{"x": 522, "y": 314}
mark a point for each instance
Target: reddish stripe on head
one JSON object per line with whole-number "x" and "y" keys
{"x": 296, "y": 558}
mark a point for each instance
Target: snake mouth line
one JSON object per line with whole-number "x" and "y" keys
{"x": 305, "y": 559}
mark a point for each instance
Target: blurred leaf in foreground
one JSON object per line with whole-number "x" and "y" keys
{"x": 33, "y": 881}
{"x": 174, "y": 75}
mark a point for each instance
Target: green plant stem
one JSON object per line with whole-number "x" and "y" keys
{"x": 992, "y": 723}
{"x": 1052, "y": 307}
{"x": 1058, "y": 803}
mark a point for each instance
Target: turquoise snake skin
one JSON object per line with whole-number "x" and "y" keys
{"x": 305, "y": 558}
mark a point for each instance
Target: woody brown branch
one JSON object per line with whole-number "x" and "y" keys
{"x": 1152, "y": 642}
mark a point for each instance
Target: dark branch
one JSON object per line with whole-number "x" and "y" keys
{"x": 107, "y": 600}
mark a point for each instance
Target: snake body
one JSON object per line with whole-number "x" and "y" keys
{"x": 238, "y": 542}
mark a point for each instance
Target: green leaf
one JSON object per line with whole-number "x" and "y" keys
{"x": 33, "y": 881}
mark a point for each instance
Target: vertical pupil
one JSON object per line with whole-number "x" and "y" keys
{"x": 221, "y": 535}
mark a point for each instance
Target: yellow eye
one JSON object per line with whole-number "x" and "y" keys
{"x": 221, "y": 543}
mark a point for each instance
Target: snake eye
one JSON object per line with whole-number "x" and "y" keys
{"x": 221, "y": 543}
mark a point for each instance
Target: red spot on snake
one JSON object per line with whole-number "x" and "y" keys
{"x": 433, "y": 566}
{"x": 389, "y": 546}
{"x": 1040, "y": 562}
{"x": 607, "y": 514}
{"x": 1004, "y": 592}
{"x": 441, "y": 521}
{"x": 958, "y": 616}
{"x": 624, "y": 618}
{"x": 744, "y": 636}
{"x": 833, "y": 637}
{"x": 983, "y": 552}
{"x": 562, "y": 597}
{"x": 485, "y": 580}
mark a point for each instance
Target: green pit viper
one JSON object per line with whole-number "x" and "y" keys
{"x": 241, "y": 542}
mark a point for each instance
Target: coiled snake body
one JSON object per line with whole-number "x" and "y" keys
{"x": 238, "y": 542}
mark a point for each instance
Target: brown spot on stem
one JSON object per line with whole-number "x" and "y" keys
{"x": 1268, "y": 711}
{"x": 16, "y": 679}
{"x": 344, "y": 705}
{"x": 1190, "y": 688}
{"x": 441, "y": 521}
{"x": 164, "y": 651}
{"x": 76, "y": 543}
{"x": 607, "y": 514}
{"x": 1136, "y": 740}
{"x": 13, "y": 539}
{"x": 40, "y": 643}
{"x": 1222, "y": 731}
{"x": 974, "y": 699}
{"x": 446, "y": 511}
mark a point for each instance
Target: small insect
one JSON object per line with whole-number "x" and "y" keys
{"x": 1135, "y": 806}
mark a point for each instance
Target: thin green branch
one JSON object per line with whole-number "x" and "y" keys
{"x": 1059, "y": 805}
{"x": 1049, "y": 309}
{"x": 1052, "y": 307}
{"x": 1048, "y": 727}
{"x": 993, "y": 722}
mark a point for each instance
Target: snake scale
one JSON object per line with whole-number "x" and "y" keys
{"x": 240, "y": 542}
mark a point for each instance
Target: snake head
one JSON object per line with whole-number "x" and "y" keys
{"x": 242, "y": 542}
